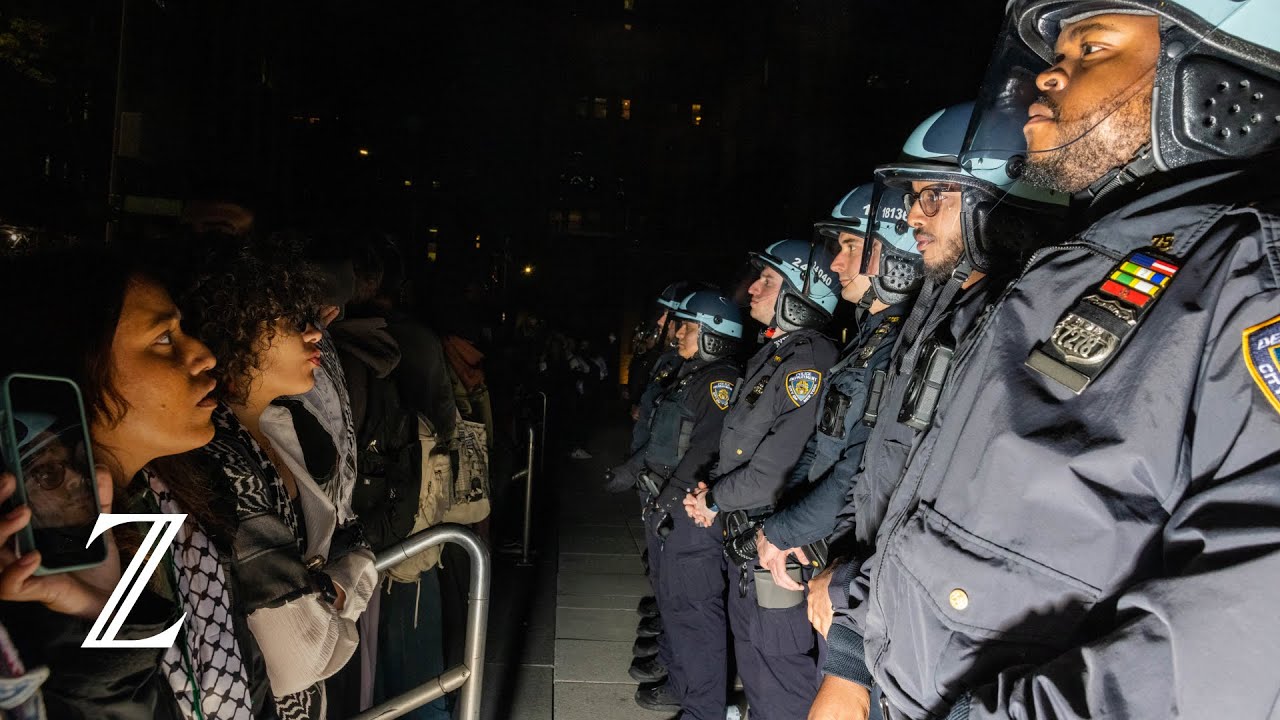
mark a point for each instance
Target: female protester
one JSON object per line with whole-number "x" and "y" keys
{"x": 255, "y": 307}
{"x": 104, "y": 322}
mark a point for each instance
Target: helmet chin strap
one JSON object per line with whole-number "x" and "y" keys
{"x": 1139, "y": 167}
{"x": 868, "y": 297}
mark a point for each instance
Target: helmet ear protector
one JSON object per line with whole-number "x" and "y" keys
{"x": 796, "y": 307}
{"x": 719, "y": 323}
{"x": 713, "y": 346}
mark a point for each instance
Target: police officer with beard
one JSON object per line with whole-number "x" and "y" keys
{"x": 971, "y": 228}
{"x": 769, "y": 421}
{"x": 683, "y": 439}
{"x": 1090, "y": 525}
{"x": 880, "y": 271}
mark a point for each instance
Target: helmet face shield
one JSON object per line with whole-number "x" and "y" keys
{"x": 995, "y": 147}
{"x": 837, "y": 236}
{"x": 1194, "y": 114}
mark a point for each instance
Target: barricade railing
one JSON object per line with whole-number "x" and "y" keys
{"x": 525, "y": 548}
{"x": 469, "y": 675}
{"x": 535, "y": 448}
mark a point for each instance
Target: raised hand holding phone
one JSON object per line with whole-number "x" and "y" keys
{"x": 82, "y": 593}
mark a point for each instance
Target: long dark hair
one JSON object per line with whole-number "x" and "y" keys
{"x": 58, "y": 316}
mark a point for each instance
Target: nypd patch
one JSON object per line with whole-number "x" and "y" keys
{"x": 803, "y": 385}
{"x": 1262, "y": 356}
{"x": 721, "y": 391}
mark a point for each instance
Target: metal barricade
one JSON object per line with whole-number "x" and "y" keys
{"x": 469, "y": 675}
{"x": 528, "y": 503}
{"x": 535, "y": 448}
{"x": 542, "y": 437}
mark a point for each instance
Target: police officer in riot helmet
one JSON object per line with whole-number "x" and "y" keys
{"x": 770, "y": 417}
{"x": 662, "y": 372}
{"x": 684, "y": 436}
{"x": 658, "y": 372}
{"x": 879, "y": 269}
{"x": 968, "y": 224}
{"x": 1088, "y": 528}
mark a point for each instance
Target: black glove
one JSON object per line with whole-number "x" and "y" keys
{"x": 619, "y": 479}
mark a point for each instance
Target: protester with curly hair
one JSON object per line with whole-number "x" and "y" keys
{"x": 146, "y": 386}
{"x": 302, "y": 583}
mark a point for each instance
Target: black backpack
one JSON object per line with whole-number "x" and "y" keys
{"x": 388, "y": 457}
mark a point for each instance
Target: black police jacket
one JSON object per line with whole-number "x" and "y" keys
{"x": 1091, "y": 526}
{"x": 771, "y": 417}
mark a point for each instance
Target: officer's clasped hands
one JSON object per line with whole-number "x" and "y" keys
{"x": 695, "y": 504}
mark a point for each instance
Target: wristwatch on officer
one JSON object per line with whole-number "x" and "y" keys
{"x": 711, "y": 502}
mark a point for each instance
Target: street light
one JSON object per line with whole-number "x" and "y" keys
{"x": 364, "y": 152}
{"x": 528, "y": 270}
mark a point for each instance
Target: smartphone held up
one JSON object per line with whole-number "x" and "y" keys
{"x": 47, "y": 448}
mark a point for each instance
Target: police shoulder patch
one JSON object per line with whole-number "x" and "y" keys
{"x": 802, "y": 385}
{"x": 721, "y": 391}
{"x": 1262, "y": 357}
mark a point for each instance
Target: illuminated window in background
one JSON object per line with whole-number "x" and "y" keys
{"x": 697, "y": 113}
{"x": 575, "y": 221}
{"x": 626, "y": 26}
{"x": 628, "y": 4}
{"x": 600, "y": 108}
{"x": 626, "y": 108}
{"x": 431, "y": 252}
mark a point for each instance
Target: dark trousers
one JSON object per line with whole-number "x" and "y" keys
{"x": 777, "y": 653}
{"x": 691, "y": 596}
{"x": 654, "y": 544}
{"x": 411, "y": 642}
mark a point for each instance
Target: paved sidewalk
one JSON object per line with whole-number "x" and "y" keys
{"x": 601, "y": 580}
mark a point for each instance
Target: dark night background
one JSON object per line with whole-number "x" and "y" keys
{"x": 610, "y": 145}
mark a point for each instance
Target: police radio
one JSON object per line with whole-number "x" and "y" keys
{"x": 925, "y": 386}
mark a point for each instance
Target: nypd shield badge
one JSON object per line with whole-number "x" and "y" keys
{"x": 803, "y": 385}
{"x": 721, "y": 390}
{"x": 1262, "y": 357}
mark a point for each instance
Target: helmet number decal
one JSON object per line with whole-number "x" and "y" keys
{"x": 818, "y": 271}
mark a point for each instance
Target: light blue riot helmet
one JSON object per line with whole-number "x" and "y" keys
{"x": 719, "y": 321}
{"x": 889, "y": 256}
{"x": 999, "y": 214}
{"x": 668, "y": 300}
{"x": 1216, "y": 92}
{"x": 809, "y": 291}
{"x": 672, "y": 294}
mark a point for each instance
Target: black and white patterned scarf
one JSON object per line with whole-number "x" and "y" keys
{"x": 207, "y": 658}
{"x": 258, "y": 487}
{"x": 328, "y": 402}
